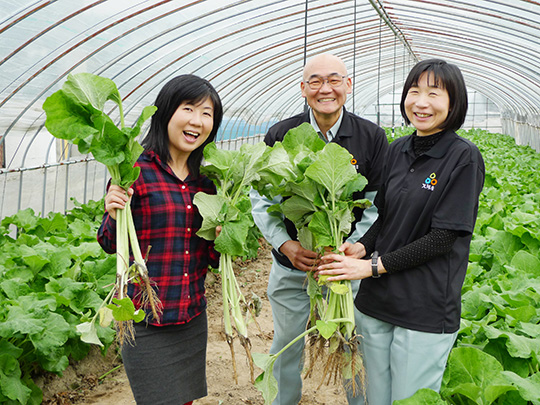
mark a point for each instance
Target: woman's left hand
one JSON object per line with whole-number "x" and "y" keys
{"x": 341, "y": 267}
{"x": 218, "y": 230}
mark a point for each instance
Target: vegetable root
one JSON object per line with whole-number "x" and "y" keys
{"x": 236, "y": 307}
{"x": 341, "y": 361}
{"x": 125, "y": 332}
{"x": 246, "y": 344}
{"x": 230, "y": 342}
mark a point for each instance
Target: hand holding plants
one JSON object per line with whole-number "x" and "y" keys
{"x": 340, "y": 267}
{"x": 302, "y": 259}
{"x": 116, "y": 198}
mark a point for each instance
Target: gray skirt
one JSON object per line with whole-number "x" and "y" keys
{"x": 167, "y": 364}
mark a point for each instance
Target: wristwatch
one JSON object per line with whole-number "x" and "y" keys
{"x": 374, "y": 265}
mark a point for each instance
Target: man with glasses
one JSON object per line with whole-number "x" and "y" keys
{"x": 325, "y": 86}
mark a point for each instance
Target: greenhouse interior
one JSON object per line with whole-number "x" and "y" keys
{"x": 253, "y": 53}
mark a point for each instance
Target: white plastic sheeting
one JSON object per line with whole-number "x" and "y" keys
{"x": 253, "y": 53}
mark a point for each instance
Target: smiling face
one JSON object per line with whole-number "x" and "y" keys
{"x": 427, "y": 105}
{"x": 327, "y": 101}
{"x": 189, "y": 127}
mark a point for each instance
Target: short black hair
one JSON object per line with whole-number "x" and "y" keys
{"x": 447, "y": 76}
{"x": 183, "y": 88}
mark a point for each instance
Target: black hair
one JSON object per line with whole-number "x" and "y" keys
{"x": 448, "y": 77}
{"x": 184, "y": 88}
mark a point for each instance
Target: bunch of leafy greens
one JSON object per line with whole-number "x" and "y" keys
{"x": 75, "y": 113}
{"x": 317, "y": 184}
{"x": 232, "y": 172}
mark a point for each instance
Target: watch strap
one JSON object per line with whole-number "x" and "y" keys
{"x": 375, "y": 265}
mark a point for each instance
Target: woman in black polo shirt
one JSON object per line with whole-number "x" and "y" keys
{"x": 414, "y": 258}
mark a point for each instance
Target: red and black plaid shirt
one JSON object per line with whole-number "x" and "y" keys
{"x": 166, "y": 218}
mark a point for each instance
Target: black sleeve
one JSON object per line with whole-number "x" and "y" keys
{"x": 436, "y": 242}
{"x": 370, "y": 237}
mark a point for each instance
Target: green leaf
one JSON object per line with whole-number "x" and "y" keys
{"x": 124, "y": 310}
{"x": 475, "y": 375}
{"x": 24, "y": 219}
{"x": 338, "y": 288}
{"x": 326, "y": 329}
{"x": 266, "y": 383}
{"x": 302, "y": 137}
{"x": 358, "y": 184}
{"x": 9, "y": 349}
{"x": 87, "y": 88}
{"x": 232, "y": 239}
{"x": 33, "y": 258}
{"x": 298, "y": 209}
{"x": 504, "y": 246}
{"x": 529, "y": 388}
{"x": 518, "y": 346}
{"x": 321, "y": 228}
{"x": 20, "y": 321}
{"x": 88, "y": 333}
{"x": 525, "y": 262}
{"x": 424, "y": 396}
{"x": 54, "y": 336}
{"x": 67, "y": 119}
{"x": 55, "y": 362}
{"x": 306, "y": 239}
{"x": 210, "y": 207}
{"x": 11, "y": 384}
{"x": 246, "y": 170}
{"x": 332, "y": 169}
{"x": 276, "y": 168}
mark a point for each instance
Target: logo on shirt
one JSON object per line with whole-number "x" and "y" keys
{"x": 354, "y": 163}
{"x": 430, "y": 182}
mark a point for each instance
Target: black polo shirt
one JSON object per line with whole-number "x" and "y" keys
{"x": 439, "y": 189}
{"x": 363, "y": 139}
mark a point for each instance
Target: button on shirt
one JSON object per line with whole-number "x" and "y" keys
{"x": 166, "y": 218}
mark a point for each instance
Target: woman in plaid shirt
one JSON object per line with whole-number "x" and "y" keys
{"x": 167, "y": 362}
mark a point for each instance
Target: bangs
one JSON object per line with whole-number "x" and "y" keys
{"x": 434, "y": 78}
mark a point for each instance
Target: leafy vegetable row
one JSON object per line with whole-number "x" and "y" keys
{"x": 496, "y": 357}
{"x": 52, "y": 277}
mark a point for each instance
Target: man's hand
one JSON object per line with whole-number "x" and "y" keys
{"x": 301, "y": 258}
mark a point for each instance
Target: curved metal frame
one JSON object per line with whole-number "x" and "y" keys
{"x": 253, "y": 52}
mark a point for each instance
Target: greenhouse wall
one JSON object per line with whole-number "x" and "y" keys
{"x": 253, "y": 53}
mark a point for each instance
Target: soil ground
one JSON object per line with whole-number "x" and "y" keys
{"x": 101, "y": 379}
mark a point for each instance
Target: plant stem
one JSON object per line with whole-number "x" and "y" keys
{"x": 305, "y": 333}
{"x": 224, "y": 262}
{"x": 109, "y": 372}
{"x": 122, "y": 251}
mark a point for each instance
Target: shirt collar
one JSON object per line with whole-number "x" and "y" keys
{"x": 332, "y": 132}
{"x": 438, "y": 150}
{"x": 151, "y": 155}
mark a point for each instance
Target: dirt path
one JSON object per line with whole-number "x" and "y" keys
{"x": 81, "y": 383}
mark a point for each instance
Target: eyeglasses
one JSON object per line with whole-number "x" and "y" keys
{"x": 316, "y": 82}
